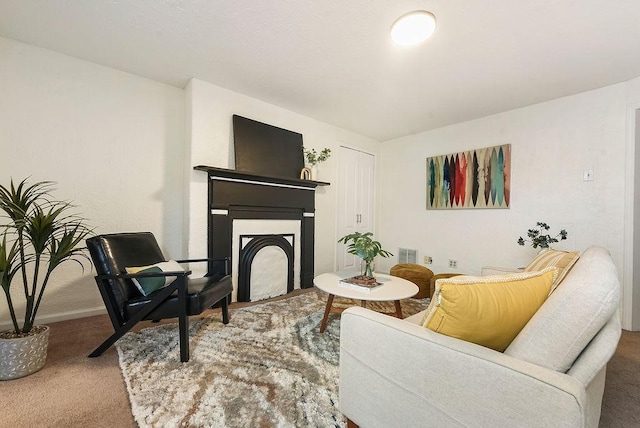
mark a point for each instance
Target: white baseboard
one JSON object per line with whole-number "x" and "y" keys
{"x": 61, "y": 316}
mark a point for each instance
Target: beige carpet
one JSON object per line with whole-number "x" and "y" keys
{"x": 71, "y": 390}
{"x": 75, "y": 391}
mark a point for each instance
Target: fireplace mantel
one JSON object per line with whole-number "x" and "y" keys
{"x": 234, "y": 195}
{"x": 232, "y": 174}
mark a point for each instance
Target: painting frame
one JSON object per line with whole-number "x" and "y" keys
{"x": 477, "y": 178}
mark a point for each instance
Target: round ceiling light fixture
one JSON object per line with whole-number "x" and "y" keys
{"x": 413, "y": 28}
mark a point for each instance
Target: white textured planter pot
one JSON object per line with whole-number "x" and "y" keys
{"x": 24, "y": 355}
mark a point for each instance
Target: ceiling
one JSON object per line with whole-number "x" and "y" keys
{"x": 332, "y": 60}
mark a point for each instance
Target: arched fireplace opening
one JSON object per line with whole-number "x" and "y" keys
{"x": 270, "y": 250}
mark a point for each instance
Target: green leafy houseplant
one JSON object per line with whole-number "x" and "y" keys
{"x": 363, "y": 246}
{"x": 539, "y": 238}
{"x": 313, "y": 158}
{"x": 37, "y": 235}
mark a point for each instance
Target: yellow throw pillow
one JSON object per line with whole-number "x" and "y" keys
{"x": 563, "y": 260}
{"x": 489, "y": 310}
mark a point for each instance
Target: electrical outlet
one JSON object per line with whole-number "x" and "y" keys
{"x": 428, "y": 260}
{"x": 453, "y": 263}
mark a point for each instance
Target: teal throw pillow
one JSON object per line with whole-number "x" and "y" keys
{"x": 151, "y": 284}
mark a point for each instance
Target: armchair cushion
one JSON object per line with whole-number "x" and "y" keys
{"x": 148, "y": 285}
{"x": 563, "y": 260}
{"x": 489, "y": 311}
{"x": 202, "y": 293}
{"x": 556, "y": 336}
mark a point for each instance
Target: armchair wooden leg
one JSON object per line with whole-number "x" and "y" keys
{"x": 183, "y": 323}
{"x": 225, "y": 311}
{"x": 351, "y": 424}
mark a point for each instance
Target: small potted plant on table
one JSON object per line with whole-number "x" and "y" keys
{"x": 37, "y": 234}
{"x": 363, "y": 246}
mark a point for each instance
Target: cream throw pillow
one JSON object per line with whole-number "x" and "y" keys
{"x": 490, "y": 310}
{"x": 563, "y": 260}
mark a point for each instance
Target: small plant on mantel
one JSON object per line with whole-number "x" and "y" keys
{"x": 363, "y": 246}
{"x": 539, "y": 238}
{"x": 313, "y": 158}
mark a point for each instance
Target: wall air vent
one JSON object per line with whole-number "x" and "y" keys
{"x": 406, "y": 255}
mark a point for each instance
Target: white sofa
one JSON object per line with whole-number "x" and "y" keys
{"x": 395, "y": 373}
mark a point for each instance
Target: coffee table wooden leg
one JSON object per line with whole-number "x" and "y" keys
{"x": 323, "y": 324}
{"x": 398, "y": 309}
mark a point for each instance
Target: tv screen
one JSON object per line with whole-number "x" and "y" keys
{"x": 265, "y": 149}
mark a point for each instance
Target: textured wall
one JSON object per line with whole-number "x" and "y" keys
{"x": 112, "y": 141}
{"x": 552, "y": 143}
{"x": 118, "y": 147}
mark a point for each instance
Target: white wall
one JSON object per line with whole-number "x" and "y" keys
{"x": 112, "y": 141}
{"x": 118, "y": 147}
{"x": 210, "y": 109}
{"x": 552, "y": 143}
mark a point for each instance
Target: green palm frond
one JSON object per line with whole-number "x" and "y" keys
{"x": 8, "y": 262}
{"x": 9, "y": 267}
{"x": 65, "y": 247}
{"x": 17, "y": 202}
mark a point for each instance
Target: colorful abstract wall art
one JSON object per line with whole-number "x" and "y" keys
{"x": 473, "y": 179}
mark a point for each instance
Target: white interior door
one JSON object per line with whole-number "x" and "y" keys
{"x": 355, "y": 200}
{"x": 366, "y": 183}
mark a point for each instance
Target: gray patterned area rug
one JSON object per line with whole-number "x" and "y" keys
{"x": 269, "y": 367}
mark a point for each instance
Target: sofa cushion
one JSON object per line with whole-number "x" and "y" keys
{"x": 151, "y": 284}
{"x": 563, "y": 260}
{"x": 556, "y": 336}
{"x": 489, "y": 310}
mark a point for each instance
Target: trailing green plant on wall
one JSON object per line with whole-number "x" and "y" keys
{"x": 538, "y": 237}
{"x": 38, "y": 234}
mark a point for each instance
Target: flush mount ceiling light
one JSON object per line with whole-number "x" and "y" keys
{"x": 413, "y": 28}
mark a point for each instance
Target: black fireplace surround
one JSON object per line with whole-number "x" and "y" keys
{"x": 236, "y": 195}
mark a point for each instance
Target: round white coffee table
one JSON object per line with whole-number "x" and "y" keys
{"x": 392, "y": 289}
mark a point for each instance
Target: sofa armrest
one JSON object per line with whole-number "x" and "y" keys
{"x": 499, "y": 270}
{"x": 394, "y": 373}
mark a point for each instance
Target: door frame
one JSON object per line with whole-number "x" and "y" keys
{"x": 629, "y": 295}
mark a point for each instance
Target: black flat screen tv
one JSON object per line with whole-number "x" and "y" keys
{"x": 266, "y": 149}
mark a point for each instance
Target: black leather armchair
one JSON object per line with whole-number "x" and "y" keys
{"x": 126, "y": 305}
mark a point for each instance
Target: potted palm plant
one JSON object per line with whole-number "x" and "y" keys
{"x": 37, "y": 234}
{"x": 363, "y": 246}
